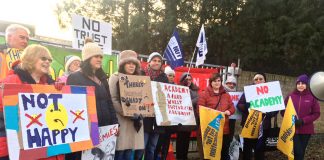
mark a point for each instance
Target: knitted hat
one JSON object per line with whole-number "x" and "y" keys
{"x": 184, "y": 76}
{"x": 231, "y": 79}
{"x": 128, "y": 56}
{"x": 69, "y": 59}
{"x": 168, "y": 70}
{"x": 302, "y": 78}
{"x": 90, "y": 49}
{"x": 154, "y": 54}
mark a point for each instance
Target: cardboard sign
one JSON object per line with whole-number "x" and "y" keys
{"x": 172, "y": 104}
{"x": 100, "y": 32}
{"x": 7, "y": 57}
{"x": 235, "y": 96}
{"x": 136, "y": 95}
{"x": 265, "y": 97}
{"x": 212, "y": 126}
{"x": 43, "y": 122}
{"x": 106, "y": 149}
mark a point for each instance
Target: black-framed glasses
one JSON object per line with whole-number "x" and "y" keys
{"x": 45, "y": 58}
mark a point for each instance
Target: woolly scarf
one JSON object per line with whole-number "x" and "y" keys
{"x": 152, "y": 73}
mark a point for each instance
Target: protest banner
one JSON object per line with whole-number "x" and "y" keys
{"x": 235, "y": 97}
{"x": 252, "y": 124}
{"x": 100, "y": 32}
{"x": 287, "y": 131}
{"x": 7, "y": 57}
{"x": 265, "y": 97}
{"x": 106, "y": 149}
{"x": 43, "y": 122}
{"x": 172, "y": 104}
{"x": 211, "y": 125}
{"x": 136, "y": 95}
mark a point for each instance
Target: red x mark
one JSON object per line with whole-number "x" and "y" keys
{"x": 33, "y": 120}
{"x": 77, "y": 115}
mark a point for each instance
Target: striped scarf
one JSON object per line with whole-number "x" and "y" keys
{"x": 152, "y": 73}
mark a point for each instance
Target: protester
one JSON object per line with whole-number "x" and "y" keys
{"x": 230, "y": 86}
{"x": 32, "y": 69}
{"x": 307, "y": 110}
{"x": 131, "y": 131}
{"x": 184, "y": 132}
{"x": 17, "y": 36}
{"x": 164, "y": 139}
{"x": 91, "y": 74}
{"x": 72, "y": 65}
{"x": 215, "y": 97}
{"x": 151, "y": 132}
{"x": 250, "y": 143}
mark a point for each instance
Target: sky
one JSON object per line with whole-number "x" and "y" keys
{"x": 39, "y": 13}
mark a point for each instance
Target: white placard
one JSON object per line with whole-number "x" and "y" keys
{"x": 100, "y": 32}
{"x": 265, "y": 97}
{"x": 106, "y": 149}
{"x": 235, "y": 97}
{"x": 53, "y": 119}
{"x": 172, "y": 104}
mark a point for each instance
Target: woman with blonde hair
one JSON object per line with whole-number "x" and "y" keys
{"x": 33, "y": 68}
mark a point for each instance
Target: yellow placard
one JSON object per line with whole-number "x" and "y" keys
{"x": 287, "y": 131}
{"x": 252, "y": 124}
{"x": 211, "y": 125}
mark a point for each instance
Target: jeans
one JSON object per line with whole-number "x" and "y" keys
{"x": 162, "y": 146}
{"x": 150, "y": 142}
{"x": 123, "y": 154}
{"x": 138, "y": 154}
{"x": 300, "y": 144}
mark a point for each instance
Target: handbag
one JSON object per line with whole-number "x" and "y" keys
{"x": 271, "y": 136}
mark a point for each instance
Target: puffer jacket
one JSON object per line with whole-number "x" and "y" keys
{"x": 210, "y": 99}
{"x": 307, "y": 109}
{"x": 19, "y": 76}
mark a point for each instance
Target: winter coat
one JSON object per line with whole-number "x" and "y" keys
{"x": 128, "y": 138}
{"x": 210, "y": 99}
{"x": 19, "y": 76}
{"x": 307, "y": 109}
{"x": 105, "y": 111}
{"x": 149, "y": 122}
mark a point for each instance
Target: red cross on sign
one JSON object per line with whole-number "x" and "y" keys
{"x": 33, "y": 120}
{"x": 78, "y": 115}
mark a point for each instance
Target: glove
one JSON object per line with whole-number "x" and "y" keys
{"x": 299, "y": 122}
{"x": 137, "y": 121}
{"x": 59, "y": 85}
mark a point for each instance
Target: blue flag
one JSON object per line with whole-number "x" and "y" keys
{"x": 173, "y": 52}
{"x": 201, "y": 47}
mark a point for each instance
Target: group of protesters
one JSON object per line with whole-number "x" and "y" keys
{"x": 140, "y": 136}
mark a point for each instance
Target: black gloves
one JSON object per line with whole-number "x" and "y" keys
{"x": 137, "y": 121}
{"x": 299, "y": 122}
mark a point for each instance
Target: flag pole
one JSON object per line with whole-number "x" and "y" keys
{"x": 193, "y": 55}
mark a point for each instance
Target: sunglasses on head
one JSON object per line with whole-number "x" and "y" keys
{"x": 45, "y": 58}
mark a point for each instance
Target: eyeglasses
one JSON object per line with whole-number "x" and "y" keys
{"x": 45, "y": 58}
{"x": 256, "y": 79}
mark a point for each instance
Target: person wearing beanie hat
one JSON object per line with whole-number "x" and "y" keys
{"x": 72, "y": 64}
{"x": 151, "y": 131}
{"x": 250, "y": 144}
{"x": 170, "y": 73}
{"x": 230, "y": 84}
{"x": 184, "y": 132}
{"x": 92, "y": 74}
{"x": 215, "y": 97}
{"x": 131, "y": 135}
{"x": 308, "y": 110}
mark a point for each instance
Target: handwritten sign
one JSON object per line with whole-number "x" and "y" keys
{"x": 235, "y": 96}
{"x": 265, "y": 97}
{"x": 7, "y": 57}
{"x": 212, "y": 126}
{"x": 172, "y": 104}
{"x": 106, "y": 149}
{"x": 136, "y": 95}
{"x": 43, "y": 122}
{"x": 100, "y": 32}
